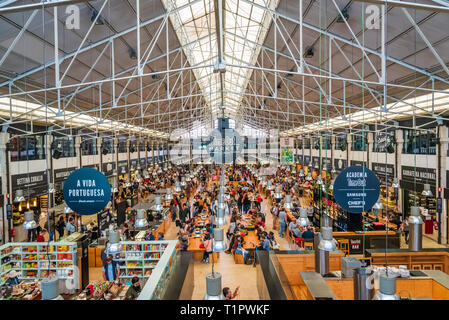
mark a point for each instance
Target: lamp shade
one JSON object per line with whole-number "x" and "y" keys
{"x": 141, "y": 219}
{"x": 177, "y": 187}
{"x": 213, "y": 287}
{"x": 301, "y": 173}
{"x": 427, "y": 192}
{"x": 29, "y": 223}
{"x": 278, "y": 193}
{"x": 270, "y": 185}
{"x": 387, "y": 288}
{"x": 221, "y": 221}
{"x": 378, "y": 205}
{"x": 19, "y": 196}
{"x": 114, "y": 245}
{"x": 67, "y": 209}
{"x": 303, "y": 220}
{"x": 219, "y": 244}
{"x": 288, "y": 202}
{"x": 327, "y": 243}
{"x": 168, "y": 195}
{"x": 309, "y": 177}
{"x": 157, "y": 204}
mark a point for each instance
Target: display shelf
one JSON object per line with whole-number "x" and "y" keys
{"x": 134, "y": 257}
{"x": 31, "y": 261}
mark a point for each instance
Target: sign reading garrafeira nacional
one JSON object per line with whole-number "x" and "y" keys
{"x": 87, "y": 191}
{"x": 356, "y": 189}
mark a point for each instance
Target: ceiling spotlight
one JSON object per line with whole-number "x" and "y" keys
{"x": 309, "y": 52}
{"x": 94, "y": 15}
{"x": 344, "y": 16}
{"x": 132, "y": 54}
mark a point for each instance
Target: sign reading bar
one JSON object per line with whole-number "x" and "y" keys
{"x": 356, "y": 189}
{"x": 87, "y": 191}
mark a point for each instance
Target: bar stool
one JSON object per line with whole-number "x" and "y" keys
{"x": 343, "y": 245}
{"x": 438, "y": 266}
{"x": 427, "y": 267}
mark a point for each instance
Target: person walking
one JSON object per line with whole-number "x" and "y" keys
{"x": 61, "y": 226}
{"x": 405, "y": 228}
{"x": 111, "y": 269}
{"x": 282, "y": 221}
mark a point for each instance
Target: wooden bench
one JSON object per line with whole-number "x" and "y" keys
{"x": 238, "y": 258}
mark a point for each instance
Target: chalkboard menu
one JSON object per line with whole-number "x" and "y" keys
{"x": 123, "y": 166}
{"x": 33, "y": 184}
{"x": 340, "y": 164}
{"x": 134, "y": 164}
{"x": 104, "y": 219}
{"x": 300, "y": 159}
{"x": 382, "y": 171}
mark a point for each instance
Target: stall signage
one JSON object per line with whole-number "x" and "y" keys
{"x": 356, "y": 189}
{"x": 358, "y": 163}
{"x": 355, "y": 244}
{"x": 300, "y": 159}
{"x": 422, "y": 175}
{"x": 28, "y": 180}
{"x": 122, "y": 165}
{"x": 143, "y": 162}
{"x": 340, "y": 164}
{"x": 103, "y": 219}
{"x": 382, "y": 170}
{"x": 315, "y": 162}
{"x": 307, "y": 160}
{"x": 62, "y": 174}
{"x": 87, "y": 191}
{"x": 134, "y": 164}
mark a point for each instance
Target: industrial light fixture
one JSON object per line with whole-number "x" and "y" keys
{"x": 301, "y": 173}
{"x": 128, "y": 183}
{"x": 294, "y": 170}
{"x": 94, "y": 15}
{"x": 309, "y": 52}
{"x": 278, "y": 193}
{"x": 132, "y": 54}
{"x": 29, "y": 223}
{"x": 168, "y": 195}
{"x": 333, "y": 171}
{"x": 378, "y": 205}
{"x": 177, "y": 187}
{"x": 51, "y": 188}
{"x": 114, "y": 186}
{"x": 213, "y": 287}
{"x": 183, "y": 182}
{"x": 67, "y": 209}
{"x": 158, "y": 204}
{"x": 319, "y": 180}
{"x": 427, "y": 192}
{"x": 218, "y": 244}
{"x": 303, "y": 219}
{"x": 344, "y": 16}
{"x": 221, "y": 221}
{"x": 159, "y": 170}
{"x": 141, "y": 219}
{"x": 309, "y": 177}
{"x": 123, "y": 170}
{"x": 288, "y": 202}
{"x": 387, "y": 288}
{"x": 327, "y": 242}
{"x": 114, "y": 246}
{"x": 221, "y": 202}
{"x": 19, "y": 196}
{"x": 270, "y": 185}
{"x": 395, "y": 183}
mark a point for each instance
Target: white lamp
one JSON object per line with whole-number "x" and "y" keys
{"x": 29, "y": 223}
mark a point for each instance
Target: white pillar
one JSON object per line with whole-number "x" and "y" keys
{"x": 398, "y": 165}
{"x": 444, "y": 139}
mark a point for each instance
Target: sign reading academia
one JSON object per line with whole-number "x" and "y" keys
{"x": 356, "y": 189}
{"x": 87, "y": 191}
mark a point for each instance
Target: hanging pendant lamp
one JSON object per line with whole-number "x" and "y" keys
{"x": 141, "y": 219}
{"x": 427, "y": 192}
{"x": 29, "y": 223}
{"x": 19, "y": 196}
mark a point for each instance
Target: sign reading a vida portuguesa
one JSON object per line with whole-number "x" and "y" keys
{"x": 356, "y": 189}
{"x": 87, "y": 191}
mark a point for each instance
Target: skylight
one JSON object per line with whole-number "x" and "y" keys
{"x": 195, "y": 28}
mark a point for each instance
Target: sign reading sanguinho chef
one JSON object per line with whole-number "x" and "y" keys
{"x": 87, "y": 191}
{"x": 356, "y": 189}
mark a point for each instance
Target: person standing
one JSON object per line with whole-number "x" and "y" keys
{"x": 405, "y": 228}
{"x": 228, "y": 293}
{"x": 282, "y": 221}
{"x": 134, "y": 290}
{"x": 111, "y": 269}
{"x": 61, "y": 226}
{"x": 70, "y": 226}
{"x": 207, "y": 242}
{"x": 41, "y": 236}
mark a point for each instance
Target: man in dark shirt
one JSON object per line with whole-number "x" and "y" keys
{"x": 308, "y": 234}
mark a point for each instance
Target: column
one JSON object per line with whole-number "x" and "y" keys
{"x": 398, "y": 164}
{"x": 444, "y": 139}
{"x": 78, "y": 150}
{"x": 100, "y": 152}
{"x": 369, "y": 147}
{"x": 332, "y": 152}
{"x": 152, "y": 153}
{"x": 349, "y": 148}
{"x": 49, "y": 160}
{"x": 4, "y": 136}
{"x": 115, "y": 142}
{"x": 128, "y": 154}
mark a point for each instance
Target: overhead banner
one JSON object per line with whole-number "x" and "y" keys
{"x": 356, "y": 189}
{"x": 286, "y": 145}
{"x": 385, "y": 172}
{"x": 87, "y": 191}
